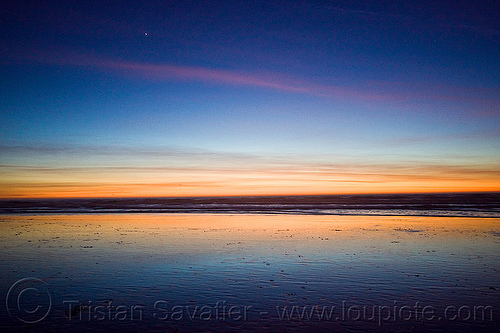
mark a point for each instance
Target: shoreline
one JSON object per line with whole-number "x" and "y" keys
{"x": 250, "y": 272}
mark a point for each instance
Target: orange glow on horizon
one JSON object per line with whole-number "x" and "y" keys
{"x": 157, "y": 190}
{"x": 99, "y": 183}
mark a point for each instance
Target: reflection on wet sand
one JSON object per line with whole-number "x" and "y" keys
{"x": 261, "y": 265}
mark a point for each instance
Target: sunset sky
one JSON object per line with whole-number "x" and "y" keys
{"x": 188, "y": 98}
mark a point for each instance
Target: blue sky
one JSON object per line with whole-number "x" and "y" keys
{"x": 332, "y": 96}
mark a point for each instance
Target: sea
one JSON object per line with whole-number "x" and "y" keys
{"x": 483, "y": 204}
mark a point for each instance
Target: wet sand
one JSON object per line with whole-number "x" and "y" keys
{"x": 253, "y": 273}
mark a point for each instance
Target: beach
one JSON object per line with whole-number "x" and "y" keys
{"x": 249, "y": 272}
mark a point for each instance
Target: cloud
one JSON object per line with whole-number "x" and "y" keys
{"x": 270, "y": 81}
{"x": 143, "y": 161}
{"x": 150, "y": 171}
{"x": 173, "y": 72}
{"x": 399, "y": 94}
{"x": 419, "y": 18}
{"x": 485, "y": 135}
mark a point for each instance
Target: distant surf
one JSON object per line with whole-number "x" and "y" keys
{"x": 449, "y": 204}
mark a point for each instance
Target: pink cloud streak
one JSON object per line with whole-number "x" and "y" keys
{"x": 152, "y": 71}
{"x": 375, "y": 91}
{"x": 220, "y": 76}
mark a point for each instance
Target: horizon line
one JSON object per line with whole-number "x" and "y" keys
{"x": 250, "y": 195}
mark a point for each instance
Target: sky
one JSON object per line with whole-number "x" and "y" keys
{"x": 209, "y": 98}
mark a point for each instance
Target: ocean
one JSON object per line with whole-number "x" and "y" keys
{"x": 448, "y": 204}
